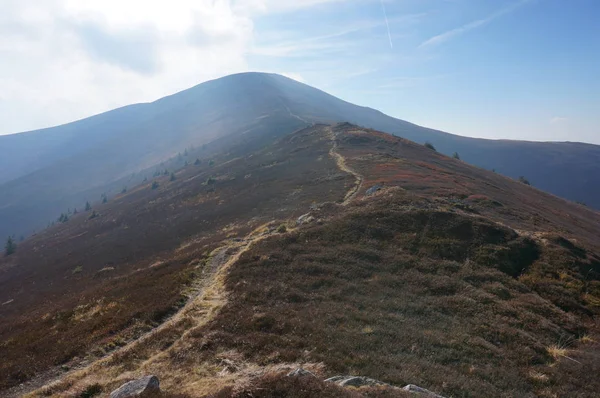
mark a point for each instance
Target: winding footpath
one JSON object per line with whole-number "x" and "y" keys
{"x": 341, "y": 163}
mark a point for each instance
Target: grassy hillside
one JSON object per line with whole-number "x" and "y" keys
{"x": 410, "y": 267}
{"x": 110, "y": 274}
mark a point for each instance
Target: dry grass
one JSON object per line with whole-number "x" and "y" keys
{"x": 587, "y": 339}
{"x": 557, "y": 352}
{"x": 538, "y": 377}
{"x": 277, "y": 385}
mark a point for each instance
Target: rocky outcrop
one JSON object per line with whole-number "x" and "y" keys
{"x": 361, "y": 381}
{"x": 135, "y": 388}
{"x": 305, "y": 219}
{"x": 421, "y": 391}
{"x": 373, "y": 190}
{"x": 300, "y": 372}
{"x": 356, "y": 381}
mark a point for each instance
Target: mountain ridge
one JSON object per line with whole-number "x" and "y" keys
{"x": 474, "y": 279}
{"x": 44, "y": 172}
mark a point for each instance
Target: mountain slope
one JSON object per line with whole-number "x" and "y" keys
{"x": 47, "y": 171}
{"x": 405, "y": 265}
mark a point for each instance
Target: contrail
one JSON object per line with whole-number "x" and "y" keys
{"x": 387, "y": 23}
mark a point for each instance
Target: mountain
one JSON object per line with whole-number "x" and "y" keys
{"x": 336, "y": 248}
{"x": 46, "y": 172}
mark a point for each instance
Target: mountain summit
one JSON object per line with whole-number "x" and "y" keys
{"x": 46, "y": 172}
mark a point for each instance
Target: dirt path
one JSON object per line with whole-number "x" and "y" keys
{"x": 210, "y": 296}
{"x": 341, "y": 163}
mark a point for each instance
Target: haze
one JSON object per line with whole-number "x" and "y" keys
{"x": 494, "y": 69}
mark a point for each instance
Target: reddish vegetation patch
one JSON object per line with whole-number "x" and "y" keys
{"x": 477, "y": 198}
{"x": 404, "y": 296}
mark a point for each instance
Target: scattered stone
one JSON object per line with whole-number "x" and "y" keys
{"x": 300, "y": 372}
{"x": 421, "y": 391}
{"x": 355, "y": 381}
{"x": 135, "y": 388}
{"x": 305, "y": 219}
{"x": 373, "y": 189}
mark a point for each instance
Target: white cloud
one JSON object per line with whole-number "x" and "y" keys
{"x": 68, "y": 59}
{"x": 558, "y": 120}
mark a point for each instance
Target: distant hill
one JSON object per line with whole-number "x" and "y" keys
{"x": 45, "y": 172}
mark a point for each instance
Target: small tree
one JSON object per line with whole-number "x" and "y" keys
{"x": 166, "y": 172}
{"x": 124, "y": 190}
{"x": 88, "y": 206}
{"x": 429, "y": 145}
{"x": 197, "y": 162}
{"x": 154, "y": 184}
{"x": 10, "y": 246}
{"x": 104, "y": 198}
{"x": 75, "y": 211}
{"x": 211, "y": 163}
{"x": 173, "y": 178}
{"x": 456, "y": 156}
{"x": 524, "y": 180}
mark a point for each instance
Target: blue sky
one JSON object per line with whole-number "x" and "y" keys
{"x": 518, "y": 69}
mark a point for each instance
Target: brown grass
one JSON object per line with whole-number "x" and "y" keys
{"x": 426, "y": 282}
{"x": 140, "y": 260}
{"x": 276, "y": 385}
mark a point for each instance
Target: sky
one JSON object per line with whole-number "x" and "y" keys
{"x": 514, "y": 69}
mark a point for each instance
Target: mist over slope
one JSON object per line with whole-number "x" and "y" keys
{"x": 44, "y": 172}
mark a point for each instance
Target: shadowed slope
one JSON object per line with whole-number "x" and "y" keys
{"x": 111, "y": 273}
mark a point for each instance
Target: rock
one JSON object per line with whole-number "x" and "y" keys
{"x": 372, "y": 190}
{"x": 355, "y": 381}
{"x": 305, "y": 219}
{"x": 421, "y": 391}
{"x": 135, "y": 388}
{"x": 300, "y": 372}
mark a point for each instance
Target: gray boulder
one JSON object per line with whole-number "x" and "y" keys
{"x": 373, "y": 189}
{"x": 300, "y": 372}
{"x": 355, "y": 381}
{"x": 421, "y": 391}
{"x": 135, "y": 388}
{"x": 305, "y": 219}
